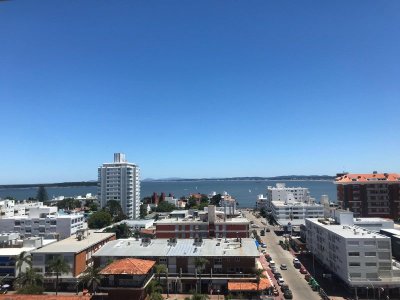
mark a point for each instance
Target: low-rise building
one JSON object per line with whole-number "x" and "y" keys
{"x": 56, "y": 226}
{"x": 359, "y": 257}
{"x": 12, "y": 247}
{"x": 207, "y": 224}
{"x": 226, "y": 259}
{"x": 77, "y": 251}
{"x": 127, "y": 278}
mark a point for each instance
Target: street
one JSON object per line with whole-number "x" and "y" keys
{"x": 292, "y": 276}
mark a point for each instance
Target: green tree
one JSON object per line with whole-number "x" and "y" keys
{"x": 204, "y": 199}
{"x": 31, "y": 290}
{"x": 42, "y": 195}
{"x": 200, "y": 263}
{"x": 91, "y": 278}
{"x": 113, "y": 207}
{"x": 23, "y": 258}
{"x": 215, "y": 200}
{"x": 58, "y": 266}
{"x": 143, "y": 210}
{"x": 160, "y": 269}
{"x": 99, "y": 219}
{"x": 165, "y": 206}
{"x": 192, "y": 202}
{"x": 68, "y": 203}
{"x": 259, "y": 273}
{"x": 10, "y": 198}
{"x": 122, "y": 231}
{"x": 29, "y": 278}
{"x": 154, "y": 290}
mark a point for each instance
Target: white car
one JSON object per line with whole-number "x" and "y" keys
{"x": 295, "y": 260}
{"x": 280, "y": 281}
{"x": 255, "y": 226}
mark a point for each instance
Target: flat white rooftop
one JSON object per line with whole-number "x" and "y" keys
{"x": 73, "y": 245}
{"x": 282, "y": 204}
{"x": 349, "y": 231}
{"x": 14, "y": 251}
{"x": 183, "y": 247}
{"x": 198, "y": 221}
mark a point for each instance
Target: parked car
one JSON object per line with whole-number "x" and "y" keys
{"x": 295, "y": 260}
{"x": 284, "y": 287}
{"x": 263, "y": 251}
{"x": 303, "y": 270}
{"x": 263, "y": 245}
{"x": 277, "y": 275}
{"x": 281, "y": 281}
{"x": 288, "y": 294}
{"x": 276, "y": 292}
{"x": 255, "y": 226}
{"x": 283, "y": 267}
{"x": 271, "y": 263}
{"x": 268, "y": 230}
{"x": 273, "y": 270}
{"x": 262, "y": 233}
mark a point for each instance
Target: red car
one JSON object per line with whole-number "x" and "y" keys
{"x": 303, "y": 270}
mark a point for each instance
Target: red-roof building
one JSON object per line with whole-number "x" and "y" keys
{"x": 370, "y": 195}
{"x": 127, "y": 278}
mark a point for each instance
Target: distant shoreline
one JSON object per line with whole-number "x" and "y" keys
{"x": 95, "y": 183}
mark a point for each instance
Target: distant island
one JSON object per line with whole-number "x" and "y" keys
{"x": 94, "y": 183}
{"x": 59, "y": 184}
{"x": 255, "y": 178}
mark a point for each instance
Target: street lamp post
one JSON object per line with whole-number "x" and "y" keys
{"x": 218, "y": 293}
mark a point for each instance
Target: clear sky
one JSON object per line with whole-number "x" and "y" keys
{"x": 198, "y": 88}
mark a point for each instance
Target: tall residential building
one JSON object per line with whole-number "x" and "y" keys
{"x": 369, "y": 195}
{"x": 120, "y": 181}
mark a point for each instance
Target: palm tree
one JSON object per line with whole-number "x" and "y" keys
{"x": 91, "y": 278}
{"x": 259, "y": 273}
{"x": 59, "y": 266}
{"x": 29, "y": 277}
{"x": 154, "y": 290}
{"x": 160, "y": 269}
{"x": 199, "y": 263}
{"x": 23, "y": 258}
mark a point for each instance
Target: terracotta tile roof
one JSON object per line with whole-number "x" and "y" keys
{"x": 131, "y": 266}
{"x": 381, "y": 177}
{"x": 248, "y": 286}
{"x": 42, "y": 297}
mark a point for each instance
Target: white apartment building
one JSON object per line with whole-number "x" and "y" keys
{"x": 291, "y": 212}
{"x": 54, "y": 226}
{"x": 358, "y": 256}
{"x": 280, "y": 193}
{"x": 120, "y": 181}
{"x": 7, "y": 208}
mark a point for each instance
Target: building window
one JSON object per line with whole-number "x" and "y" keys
{"x": 354, "y": 264}
{"x": 237, "y": 259}
{"x": 163, "y": 260}
{"x": 354, "y": 253}
{"x": 370, "y": 253}
{"x": 353, "y": 243}
{"x": 370, "y": 264}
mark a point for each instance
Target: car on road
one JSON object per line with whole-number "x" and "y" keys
{"x": 280, "y": 281}
{"x": 255, "y": 226}
{"x": 271, "y": 264}
{"x": 295, "y": 260}
{"x": 277, "y": 275}
{"x": 283, "y": 267}
{"x": 273, "y": 270}
{"x": 263, "y": 245}
{"x": 288, "y": 294}
{"x": 268, "y": 230}
{"x": 303, "y": 270}
{"x": 263, "y": 251}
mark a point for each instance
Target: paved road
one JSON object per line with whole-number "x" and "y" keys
{"x": 299, "y": 286}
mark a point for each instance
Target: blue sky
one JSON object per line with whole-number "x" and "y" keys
{"x": 198, "y": 88}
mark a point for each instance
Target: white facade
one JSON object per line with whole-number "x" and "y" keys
{"x": 295, "y": 212}
{"x": 120, "y": 181}
{"x": 7, "y": 208}
{"x": 360, "y": 257}
{"x": 280, "y": 193}
{"x": 45, "y": 226}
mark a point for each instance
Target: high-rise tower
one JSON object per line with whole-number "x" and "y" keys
{"x": 120, "y": 181}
